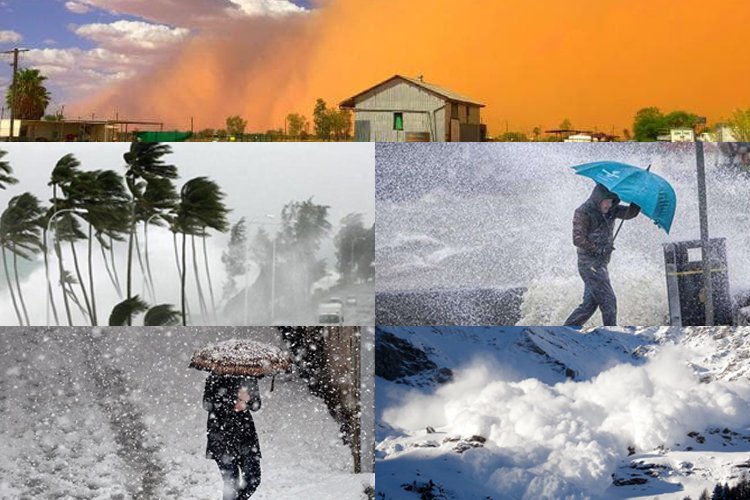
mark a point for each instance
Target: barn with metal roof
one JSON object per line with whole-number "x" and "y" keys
{"x": 402, "y": 109}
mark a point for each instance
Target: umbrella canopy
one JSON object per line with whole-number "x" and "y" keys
{"x": 241, "y": 357}
{"x": 632, "y": 184}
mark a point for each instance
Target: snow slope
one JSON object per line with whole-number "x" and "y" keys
{"x": 552, "y": 413}
{"x": 116, "y": 413}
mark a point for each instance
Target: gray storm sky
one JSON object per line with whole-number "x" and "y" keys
{"x": 258, "y": 178}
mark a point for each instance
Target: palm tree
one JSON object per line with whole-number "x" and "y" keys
{"x": 68, "y": 178}
{"x": 20, "y": 234}
{"x": 201, "y": 206}
{"x": 159, "y": 315}
{"x": 5, "y": 172}
{"x": 100, "y": 198}
{"x": 31, "y": 98}
{"x": 146, "y": 172}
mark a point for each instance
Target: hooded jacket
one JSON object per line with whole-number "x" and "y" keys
{"x": 593, "y": 230}
{"x": 230, "y": 433}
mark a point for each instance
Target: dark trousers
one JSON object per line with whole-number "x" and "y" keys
{"x": 241, "y": 476}
{"x": 597, "y": 293}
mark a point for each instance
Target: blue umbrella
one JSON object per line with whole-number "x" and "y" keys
{"x": 632, "y": 184}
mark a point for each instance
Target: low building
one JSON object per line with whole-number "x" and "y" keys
{"x": 72, "y": 130}
{"x": 682, "y": 135}
{"x": 62, "y": 130}
{"x": 402, "y": 109}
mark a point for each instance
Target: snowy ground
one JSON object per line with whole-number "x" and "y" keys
{"x": 548, "y": 413}
{"x": 117, "y": 414}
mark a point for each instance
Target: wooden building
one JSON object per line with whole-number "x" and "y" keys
{"x": 402, "y": 109}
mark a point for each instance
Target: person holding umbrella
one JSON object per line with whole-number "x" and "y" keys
{"x": 232, "y": 439}
{"x": 593, "y": 228}
{"x": 230, "y": 395}
{"x": 593, "y": 236}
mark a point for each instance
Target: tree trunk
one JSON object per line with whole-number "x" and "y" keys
{"x": 144, "y": 280}
{"x": 149, "y": 278}
{"x": 61, "y": 270}
{"x": 182, "y": 282}
{"x": 208, "y": 277}
{"x": 109, "y": 271}
{"x": 10, "y": 287}
{"x": 18, "y": 286}
{"x": 91, "y": 279}
{"x": 46, "y": 274}
{"x": 201, "y": 300}
{"x": 114, "y": 265}
{"x": 81, "y": 283}
{"x": 130, "y": 270}
{"x": 177, "y": 261}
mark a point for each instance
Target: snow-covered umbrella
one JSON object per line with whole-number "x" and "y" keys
{"x": 241, "y": 358}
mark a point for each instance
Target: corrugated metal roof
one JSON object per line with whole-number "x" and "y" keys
{"x": 435, "y": 89}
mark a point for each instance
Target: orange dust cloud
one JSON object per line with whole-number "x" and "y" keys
{"x": 532, "y": 63}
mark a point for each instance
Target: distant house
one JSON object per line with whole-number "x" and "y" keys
{"x": 63, "y": 130}
{"x": 682, "y": 135}
{"x": 402, "y": 109}
{"x": 72, "y": 130}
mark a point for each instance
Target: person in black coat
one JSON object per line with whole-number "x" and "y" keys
{"x": 232, "y": 439}
{"x": 593, "y": 228}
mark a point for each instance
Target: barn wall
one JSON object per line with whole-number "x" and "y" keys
{"x": 422, "y": 111}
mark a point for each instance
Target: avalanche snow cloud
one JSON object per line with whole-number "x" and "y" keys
{"x": 565, "y": 440}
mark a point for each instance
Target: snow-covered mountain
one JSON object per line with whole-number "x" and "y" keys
{"x": 506, "y": 413}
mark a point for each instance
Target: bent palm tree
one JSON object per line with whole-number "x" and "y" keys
{"x": 147, "y": 173}
{"x": 100, "y": 198}
{"x": 20, "y": 233}
{"x": 5, "y": 172}
{"x": 201, "y": 206}
{"x": 159, "y": 315}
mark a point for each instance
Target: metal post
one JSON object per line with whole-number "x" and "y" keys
{"x": 273, "y": 279}
{"x": 705, "y": 249}
{"x": 356, "y": 353}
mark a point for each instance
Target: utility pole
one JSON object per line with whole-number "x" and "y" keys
{"x": 15, "y": 53}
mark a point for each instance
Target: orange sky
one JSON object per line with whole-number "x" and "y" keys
{"x": 595, "y": 62}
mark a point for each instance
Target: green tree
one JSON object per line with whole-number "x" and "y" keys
{"x": 681, "y": 119}
{"x": 513, "y": 137}
{"x": 236, "y": 125}
{"x": 739, "y": 122}
{"x": 321, "y": 120}
{"x": 29, "y": 98}
{"x": 20, "y": 234}
{"x": 297, "y": 125}
{"x": 648, "y": 124}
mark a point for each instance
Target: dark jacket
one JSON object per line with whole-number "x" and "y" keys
{"x": 230, "y": 433}
{"x": 593, "y": 230}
